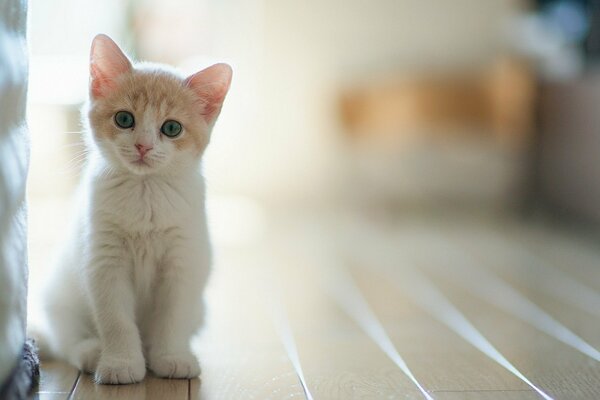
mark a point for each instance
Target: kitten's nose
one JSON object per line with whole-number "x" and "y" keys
{"x": 142, "y": 149}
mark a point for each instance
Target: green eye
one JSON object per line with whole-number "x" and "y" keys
{"x": 124, "y": 119}
{"x": 171, "y": 128}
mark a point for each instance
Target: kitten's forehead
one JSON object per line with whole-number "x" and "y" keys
{"x": 160, "y": 90}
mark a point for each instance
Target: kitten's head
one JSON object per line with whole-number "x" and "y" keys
{"x": 148, "y": 118}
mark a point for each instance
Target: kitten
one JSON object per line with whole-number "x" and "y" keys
{"x": 127, "y": 292}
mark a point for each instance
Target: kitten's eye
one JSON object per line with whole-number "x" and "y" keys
{"x": 124, "y": 119}
{"x": 171, "y": 128}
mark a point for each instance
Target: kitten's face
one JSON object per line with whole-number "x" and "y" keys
{"x": 148, "y": 119}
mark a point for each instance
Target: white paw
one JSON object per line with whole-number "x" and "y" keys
{"x": 112, "y": 370}
{"x": 85, "y": 354}
{"x": 182, "y": 365}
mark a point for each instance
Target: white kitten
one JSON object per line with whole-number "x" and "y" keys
{"x": 127, "y": 292}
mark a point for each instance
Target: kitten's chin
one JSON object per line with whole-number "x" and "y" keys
{"x": 141, "y": 167}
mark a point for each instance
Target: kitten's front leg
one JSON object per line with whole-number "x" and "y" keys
{"x": 177, "y": 316}
{"x": 112, "y": 296}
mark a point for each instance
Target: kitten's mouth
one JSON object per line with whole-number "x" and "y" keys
{"x": 140, "y": 166}
{"x": 141, "y": 162}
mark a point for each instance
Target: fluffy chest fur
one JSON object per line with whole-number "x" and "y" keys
{"x": 147, "y": 223}
{"x": 141, "y": 205}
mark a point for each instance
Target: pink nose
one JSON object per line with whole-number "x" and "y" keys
{"x": 142, "y": 149}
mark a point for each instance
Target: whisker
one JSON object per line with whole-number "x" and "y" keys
{"x": 80, "y": 155}
{"x": 73, "y": 132}
{"x": 66, "y": 145}
{"x": 74, "y": 166}
{"x": 76, "y": 162}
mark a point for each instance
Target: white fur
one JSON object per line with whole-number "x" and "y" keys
{"x": 128, "y": 288}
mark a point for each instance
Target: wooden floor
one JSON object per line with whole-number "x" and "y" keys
{"x": 361, "y": 308}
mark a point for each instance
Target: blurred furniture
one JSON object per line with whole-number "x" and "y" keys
{"x": 497, "y": 101}
{"x": 452, "y": 138}
{"x": 569, "y": 162}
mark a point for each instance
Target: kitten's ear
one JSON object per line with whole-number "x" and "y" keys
{"x": 211, "y": 86}
{"x": 107, "y": 62}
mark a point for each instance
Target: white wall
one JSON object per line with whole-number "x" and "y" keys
{"x": 278, "y": 133}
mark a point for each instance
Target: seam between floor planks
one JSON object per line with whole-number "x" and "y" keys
{"x": 484, "y": 390}
{"x": 74, "y": 386}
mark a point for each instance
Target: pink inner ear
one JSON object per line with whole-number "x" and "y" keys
{"x": 211, "y": 86}
{"x": 107, "y": 63}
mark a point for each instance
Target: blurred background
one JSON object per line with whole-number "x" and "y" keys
{"x": 474, "y": 105}
{"x": 390, "y": 108}
{"x": 363, "y": 126}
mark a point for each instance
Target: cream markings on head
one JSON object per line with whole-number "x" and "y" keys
{"x": 153, "y": 97}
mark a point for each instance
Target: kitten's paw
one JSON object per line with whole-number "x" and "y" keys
{"x": 182, "y": 365}
{"x": 115, "y": 371}
{"x": 85, "y": 354}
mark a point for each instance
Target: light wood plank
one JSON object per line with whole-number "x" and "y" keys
{"x": 551, "y": 365}
{"x": 537, "y": 285}
{"x": 240, "y": 353}
{"x": 441, "y": 359}
{"x": 50, "y": 396}
{"x": 487, "y": 395}
{"x": 575, "y": 255}
{"x": 57, "y": 377}
{"x": 151, "y": 388}
{"x": 194, "y": 389}
{"x": 339, "y": 359}
{"x": 243, "y": 357}
{"x": 575, "y": 319}
{"x": 157, "y": 388}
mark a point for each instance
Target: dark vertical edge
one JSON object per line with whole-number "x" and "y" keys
{"x": 72, "y": 392}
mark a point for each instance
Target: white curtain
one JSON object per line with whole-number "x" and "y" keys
{"x": 14, "y": 150}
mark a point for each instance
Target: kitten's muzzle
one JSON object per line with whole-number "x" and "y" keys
{"x": 142, "y": 149}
